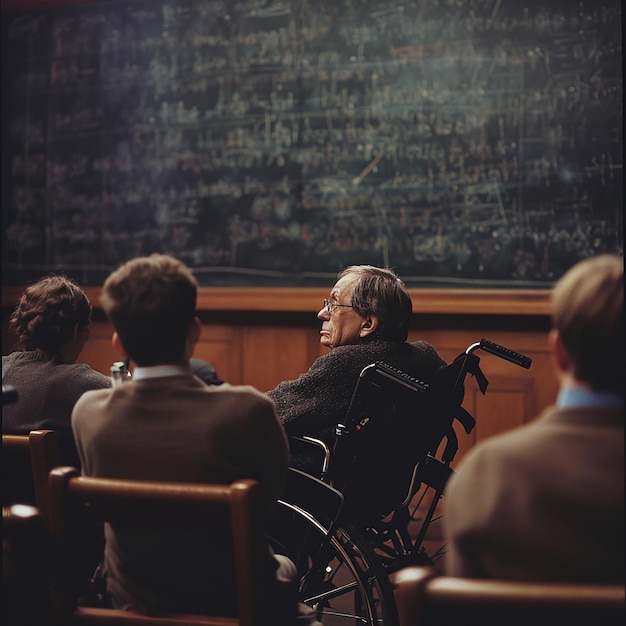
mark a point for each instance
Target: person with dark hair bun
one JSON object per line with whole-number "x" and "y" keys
{"x": 51, "y": 322}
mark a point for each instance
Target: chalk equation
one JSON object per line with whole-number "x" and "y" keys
{"x": 463, "y": 142}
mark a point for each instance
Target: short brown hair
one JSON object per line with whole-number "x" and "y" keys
{"x": 378, "y": 291}
{"x": 48, "y": 312}
{"x": 588, "y": 312}
{"x": 151, "y": 301}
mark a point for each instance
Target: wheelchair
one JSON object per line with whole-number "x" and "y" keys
{"x": 366, "y": 513}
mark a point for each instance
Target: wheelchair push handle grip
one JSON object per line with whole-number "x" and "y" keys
{"x": 505, "y": 353}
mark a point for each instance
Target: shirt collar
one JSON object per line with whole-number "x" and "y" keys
{"x": 574, "y": 397}
{"x": 160, "y": 371}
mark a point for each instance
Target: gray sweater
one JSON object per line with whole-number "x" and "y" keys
{"x": 317, "y": 400}
{"x": 47, "y": 392}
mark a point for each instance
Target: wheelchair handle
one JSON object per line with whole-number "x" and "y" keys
{"x": 502, "y": 352}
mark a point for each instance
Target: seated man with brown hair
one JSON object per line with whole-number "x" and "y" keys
{"x": 545, "y": 501}
{"x": 167, "y": 425}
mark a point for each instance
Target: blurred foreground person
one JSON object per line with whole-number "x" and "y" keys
{"x": 545, "y": 501}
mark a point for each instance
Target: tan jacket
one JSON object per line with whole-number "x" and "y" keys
{"x": 541, "y": 502}
{"x": 176, "y": 428}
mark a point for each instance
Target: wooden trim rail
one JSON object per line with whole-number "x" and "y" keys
{"x": 427, "y": 300}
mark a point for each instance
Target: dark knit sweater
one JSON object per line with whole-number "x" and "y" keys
{"x": 316, "y": 401}
{"x": 47, "y": 392}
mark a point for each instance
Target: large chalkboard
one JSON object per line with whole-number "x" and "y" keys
{"x": 463, "y": 142}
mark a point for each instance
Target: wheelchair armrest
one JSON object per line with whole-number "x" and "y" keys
{"x": 310, "y": 494}
{"x": 320, "y": 444}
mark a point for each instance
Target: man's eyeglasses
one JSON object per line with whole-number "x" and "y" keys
{"x": 330, "y": 306}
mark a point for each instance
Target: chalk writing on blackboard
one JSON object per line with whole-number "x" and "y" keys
{"x": 463, "y": 142}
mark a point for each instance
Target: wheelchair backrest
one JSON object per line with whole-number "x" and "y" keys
{"x": 393, "y": 423}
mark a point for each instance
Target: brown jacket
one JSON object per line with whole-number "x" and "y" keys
{"x": 176, "y": 428}
{"x": 541, "y": 502}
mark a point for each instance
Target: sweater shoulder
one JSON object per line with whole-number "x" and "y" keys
{"x": 93, "y": 395}
{"x": 248, "y": 392}
{"x": 93, "y": 376}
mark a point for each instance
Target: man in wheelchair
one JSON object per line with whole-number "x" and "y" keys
{"x": 365, "y": 319}
{"x": 380, "y": 413}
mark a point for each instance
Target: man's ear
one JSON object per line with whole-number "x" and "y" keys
{"x": 194, "y": 332}
{"x": 117, "y": 344}
{"x": 193, "y": 335}
{"x": 368, "y": 326}
{"x": 559, "y": 353}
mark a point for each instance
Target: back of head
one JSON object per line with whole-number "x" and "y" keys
{"x": 48, "y": 313}
{"x": 378, "y": 291}
{"x": 151, "y": 302}
{"x": 588, "y": 312}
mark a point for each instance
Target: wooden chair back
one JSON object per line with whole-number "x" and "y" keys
{"x": 225, "y": 511}
{"x": 25, "y": 555}
{"x": 26, "y": 463}
{"x": 425, "y": 598}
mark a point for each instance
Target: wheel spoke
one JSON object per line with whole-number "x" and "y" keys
{"x": 345, "y": 582}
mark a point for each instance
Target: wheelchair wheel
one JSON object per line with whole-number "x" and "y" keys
{"x": 340, "y": 576}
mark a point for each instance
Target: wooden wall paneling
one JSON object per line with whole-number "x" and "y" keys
{"x": 221, "y": 345}
{"x": 276, "y": 353}
{"x": 453, "y": 334}
{"x": 510, "y": 402}
{"x": 99, "y": 352}
{"x": 545, "y": 377}
{"x": 273, "y": 354}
